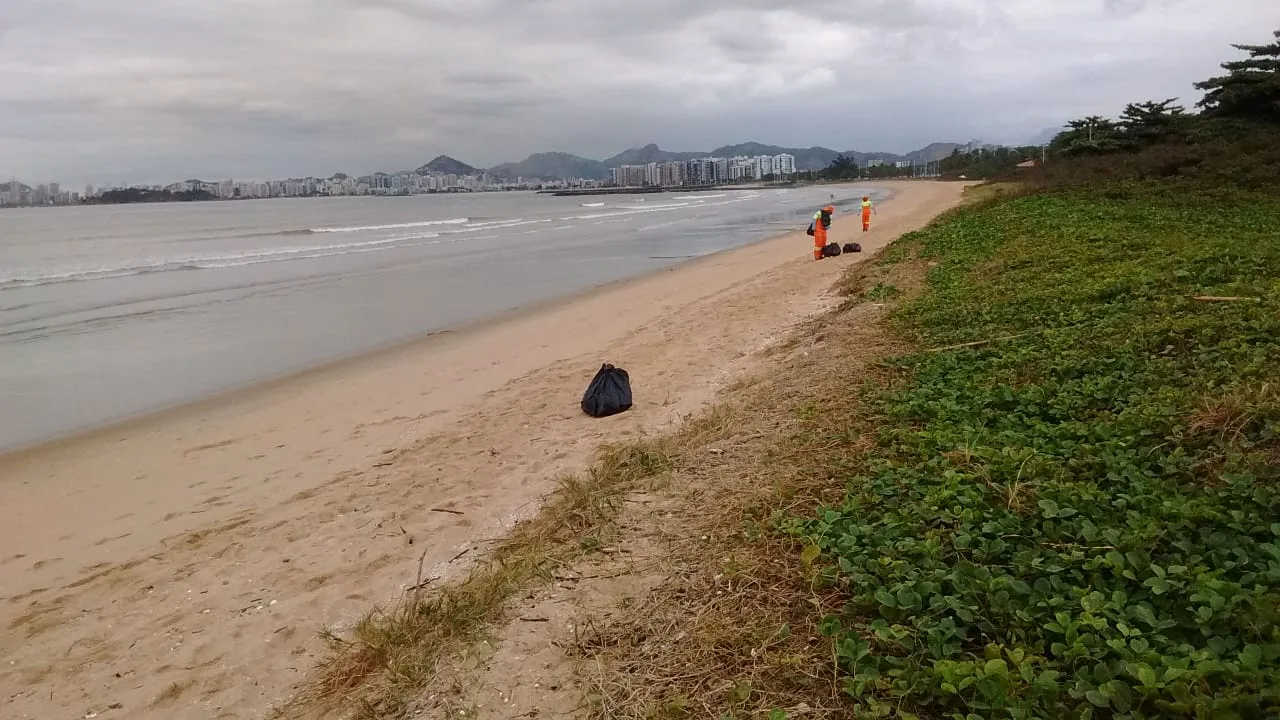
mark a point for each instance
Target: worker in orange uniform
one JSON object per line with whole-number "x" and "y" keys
{"x": 867, "y": 209}
{"x": 821, "y": 221}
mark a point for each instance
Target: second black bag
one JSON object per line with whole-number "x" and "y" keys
{"x": 608, "y": 394}
{"x": 830, "y": 250}
{"x": 852, "y": 247}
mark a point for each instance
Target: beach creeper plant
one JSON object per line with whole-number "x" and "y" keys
{"x": 1077, "y": 515}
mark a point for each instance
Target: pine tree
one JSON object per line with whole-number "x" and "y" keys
{"x": 1250, "y": 89}
{"x": 1150, "y": 122}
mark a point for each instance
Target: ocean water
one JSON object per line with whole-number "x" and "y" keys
{"x": 112, "y": 311}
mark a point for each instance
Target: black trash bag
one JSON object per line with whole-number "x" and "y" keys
{"x": 810, "y": 231}
{"x": 852, "y": 247}
{"x": 830, "y": 250}
{"x": 608, "y": 394}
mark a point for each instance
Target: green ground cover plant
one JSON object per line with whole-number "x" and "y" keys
{"x": 1072, "y": 504}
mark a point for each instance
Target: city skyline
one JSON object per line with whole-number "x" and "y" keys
{"x": 708, "y": 170}
{"x": 723, "y": 169}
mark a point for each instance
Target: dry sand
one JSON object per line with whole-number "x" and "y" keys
{"x": 182, "y": 564}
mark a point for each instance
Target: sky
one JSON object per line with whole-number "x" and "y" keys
{"x": 149, "y": 91}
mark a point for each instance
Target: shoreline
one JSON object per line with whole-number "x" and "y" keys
{"x": 181, "y": 564}
{"x": 347, "y": 362}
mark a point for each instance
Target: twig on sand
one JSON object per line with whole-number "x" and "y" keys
{"x": 447, "y": 510}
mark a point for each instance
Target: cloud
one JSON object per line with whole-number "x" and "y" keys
{"x": 162, "y": 89}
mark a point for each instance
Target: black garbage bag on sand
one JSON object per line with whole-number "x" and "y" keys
{"x": 831, "y": 250}
{"x": 852, "y": 247}
{"x": 609, "y": 393}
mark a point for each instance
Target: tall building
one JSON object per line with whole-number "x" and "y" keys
{"x": 784, "y": 164}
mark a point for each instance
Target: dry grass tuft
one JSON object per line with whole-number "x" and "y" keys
{"x": 1231, "y": 414}
{"x": 991, "y": 191}
{"x": 392, "y": 654}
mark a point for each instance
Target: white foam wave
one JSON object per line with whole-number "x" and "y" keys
{"x": 629, "y": 211}
{"x": 140, "y": 266}
{"x": 393, "y": 226}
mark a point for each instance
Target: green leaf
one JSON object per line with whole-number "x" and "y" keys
{"x": 1158, "y": 585}
{"x": 1251, "y": 657}
{"x": 996, "y": 668}
{"x": 1097, "y": 698}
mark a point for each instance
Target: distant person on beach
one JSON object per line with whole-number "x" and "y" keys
{"x": 821, "y": 221}
{"x": 867, "y": 209}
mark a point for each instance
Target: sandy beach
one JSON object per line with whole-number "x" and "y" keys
{"x": 182, "y": 564}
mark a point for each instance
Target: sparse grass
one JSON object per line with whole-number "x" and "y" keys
{"x": 990, "y": 191}
{"x": 734, "y": 631}
{"x": 392, "y": 654}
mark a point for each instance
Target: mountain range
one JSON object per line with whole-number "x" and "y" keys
{"x": 560, "y": 166}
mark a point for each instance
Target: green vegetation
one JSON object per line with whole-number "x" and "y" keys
{"x": 1079, "y": 516}
{"x": 1071, "y": 504}
{"x": 1251, "y": 87}
{"x": 138, "y": 195}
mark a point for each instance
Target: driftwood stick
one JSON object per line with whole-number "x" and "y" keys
{"x": 1220, "y": 298}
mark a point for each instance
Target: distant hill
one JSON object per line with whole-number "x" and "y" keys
{"x": 1045, "y": 136}
{"x": 559, "y": 166}
{"x": 447, "y": 165}
{"x": 647, "y": 154}
{"x": 932, "y": 152}
{"x": 551, "y": 165}
{"x": 814, "y": 158}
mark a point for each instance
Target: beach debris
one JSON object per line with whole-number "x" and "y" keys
{"x": 609, "y": 392}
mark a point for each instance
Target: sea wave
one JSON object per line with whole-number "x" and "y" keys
{"x": 393, "y": 226}
{"x": 142, "y": 266}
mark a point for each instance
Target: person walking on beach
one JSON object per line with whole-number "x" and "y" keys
{"x": 821, "y": 221}
{"x": 867, "y": 209}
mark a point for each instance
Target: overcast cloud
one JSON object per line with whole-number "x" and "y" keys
{"x": 158, "y": 90}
